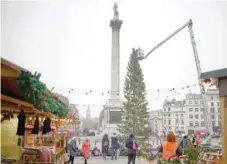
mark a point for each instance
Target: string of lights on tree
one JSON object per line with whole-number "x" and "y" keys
{"x": 103, "y": 93}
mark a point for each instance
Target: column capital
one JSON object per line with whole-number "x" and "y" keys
{"x": 116, "y": 24}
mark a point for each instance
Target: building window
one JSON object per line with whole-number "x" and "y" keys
{"x": 169, "y": 128}
{"x": 219, "y": 123}
{"x": 182, "y": 122}
{"x": 190, "y": 102}
{"x": 182, "y": 115}
{"x": 168, "y": 109}
{"x": 211, "y": 98}
{"x": 196, "y": 102}
{"x": 202, "y": 109}
{"x": 212, "y": 110}
{"x": 218, "y": 110}
{"x": 196, "y": 123}
{"x": 190, "y": 109}
{"x": 196, "y": 116}
{"x": 202, "y": 123}
{"x": 177, "y": 121}
{"x": 182, "y": 127}
{"x": 213, "y": 117}
{"x": 164, "y": 121}
{"x": 176, "y": 115}
{"x": 213, "y": 123}
{"x": 169, "y": 115}
{"x": 191, "y": 123}
{"x": 169, "y": 122}
{"x": 211, "y": 104}
{"x": 196, "y": 109}
{"x": 218, "y": 103}
{"x": 201, "y": 102}
{"x": 191, "y": 116}
{"x": 202, "y": 116}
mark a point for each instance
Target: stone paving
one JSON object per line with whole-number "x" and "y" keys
{"x": 99, "y": 160}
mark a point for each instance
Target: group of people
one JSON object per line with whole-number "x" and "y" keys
{"x": 170, "y": 148}
{"x": 114, "y": 147}
{"x": 73, "y": 150}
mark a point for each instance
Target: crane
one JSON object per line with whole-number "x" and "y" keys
{"x": 197, "y": 63}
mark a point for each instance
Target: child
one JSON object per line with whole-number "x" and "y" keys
{"x": 86, "y": 150}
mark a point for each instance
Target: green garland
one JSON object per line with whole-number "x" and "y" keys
{"x": 37, "y": 94}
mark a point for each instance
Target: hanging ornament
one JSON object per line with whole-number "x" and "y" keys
{"x": 21, "y": 123}
{"x": 102, "y": 94}
{"x": 90, "y": 91}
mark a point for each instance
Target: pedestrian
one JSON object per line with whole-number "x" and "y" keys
{"x": 132, "y": 147}
{"x": 114, "y": 146}
{"x": 105, "y": 145}
{"x": 170, "y": 148}
{"x": 73, "y": 148}
{"x": 86, "y": 150}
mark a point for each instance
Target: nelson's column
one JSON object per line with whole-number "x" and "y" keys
{"x": 112, "y": 109}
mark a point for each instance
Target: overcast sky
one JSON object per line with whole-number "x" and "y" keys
{"x": 69, "y": 43}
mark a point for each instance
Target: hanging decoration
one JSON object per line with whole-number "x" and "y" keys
{"x": 37, "y": 94}
{"x": 21, "y": 123}
{"x": 35, "y": 129}
{"x": 103, "y": 92}
{"x": 46, "y": 125}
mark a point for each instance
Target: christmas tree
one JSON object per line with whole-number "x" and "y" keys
{"x": 135, "y": 114}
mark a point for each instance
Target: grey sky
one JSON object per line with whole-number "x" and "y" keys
{"x": 69, "y": 43}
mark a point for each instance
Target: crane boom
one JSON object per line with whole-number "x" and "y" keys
{"x": 198, "y": 67}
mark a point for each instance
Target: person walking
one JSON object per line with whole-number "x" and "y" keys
{"x": 132, "y": 147}
{"x": 105, "y": 145}
{"x": 86, "y": 150}
{"x": 73, "y": 148}
{"x": 170, "y": 148}
{"x": 114, "y": 146}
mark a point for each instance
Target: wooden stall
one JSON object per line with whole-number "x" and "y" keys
{"x": 28, "y": 147}
{"x": 219, "y": 79}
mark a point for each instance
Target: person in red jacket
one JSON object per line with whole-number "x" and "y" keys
{"x": 86, "y": 150}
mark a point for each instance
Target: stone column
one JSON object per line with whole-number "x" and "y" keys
{"x": 115, "y": 23}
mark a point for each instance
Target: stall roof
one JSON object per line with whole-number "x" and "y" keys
{"x": 9, "y": 83}
{"x": 214, "y": 74}
{"x": 220, "y": 77}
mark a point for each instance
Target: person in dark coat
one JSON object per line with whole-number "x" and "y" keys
{"x": 35, "y": 129}
{"x": 114, "y": 146}
{"x": 105, "y": 145}
{"x": 73, "y": 149}
{"x": 21, "y": 123}
{"x": 132, "y": 146}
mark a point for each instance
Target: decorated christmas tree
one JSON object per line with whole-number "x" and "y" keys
{"x": 135, "y": 114}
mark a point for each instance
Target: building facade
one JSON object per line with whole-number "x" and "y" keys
{"x": 156, "y": 121}
{"x": 195, "y": 110}
{"x": 187, "y": 115}
{"x": 174, "y": 115}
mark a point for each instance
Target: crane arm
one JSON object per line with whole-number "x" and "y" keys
{"x": 197, "y": 63}
{"x": 169, "y": 37}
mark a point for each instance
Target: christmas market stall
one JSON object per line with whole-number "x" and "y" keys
{"x": 30, "y": 117}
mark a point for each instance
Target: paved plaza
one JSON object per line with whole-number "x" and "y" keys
{"x": 99, "y": 160}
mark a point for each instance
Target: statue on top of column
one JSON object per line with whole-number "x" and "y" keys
{"x": 116, "y": 13}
